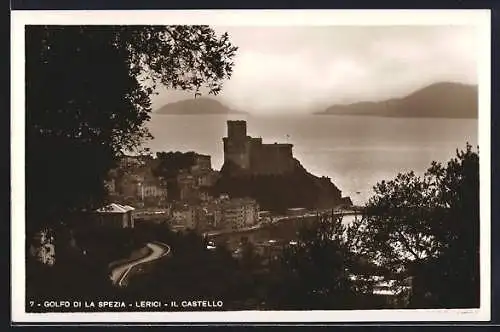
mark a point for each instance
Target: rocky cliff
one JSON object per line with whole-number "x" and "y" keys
{"x": 279, "y": 192}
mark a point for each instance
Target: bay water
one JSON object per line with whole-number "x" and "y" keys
{"x": 356, "y": 152}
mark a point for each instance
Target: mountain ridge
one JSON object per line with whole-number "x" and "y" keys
{"x": 437, "y": 100}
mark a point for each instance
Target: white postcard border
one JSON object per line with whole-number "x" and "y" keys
{"x": 478, "y": 18}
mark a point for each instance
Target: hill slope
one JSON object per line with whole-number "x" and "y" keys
{"x": 439, "y": 100}
{"x": 196, "y": 106}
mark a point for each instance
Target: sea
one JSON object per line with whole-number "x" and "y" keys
{"x": 356, "y": 152}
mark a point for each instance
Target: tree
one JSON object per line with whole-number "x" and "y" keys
{"x": 315, "y": 273}
{"x": 428, "y": 227}
{"x": 88, "y": 94}
{"x": 170, "y": 163}
{"x": 249, "y": 258}
{"x": 88, "y": 98}
{"x": 191, "y": 272}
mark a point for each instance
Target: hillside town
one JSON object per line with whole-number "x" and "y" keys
{"x": 126, "y": 202}
{"x": 183, "y": 196}
{"x": 177, "y": 189}
{"x": 188, "y": 206}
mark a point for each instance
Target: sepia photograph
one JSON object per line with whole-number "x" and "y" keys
{"x": 232, "y": 164}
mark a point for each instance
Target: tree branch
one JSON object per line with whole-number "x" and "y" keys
{"x": 407, "y": 244}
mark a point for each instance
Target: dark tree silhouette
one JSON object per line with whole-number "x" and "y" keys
{"x": 314, "y": 273}
{"x": 428, "y": 228}
{"x": 88, "y": 97}
{"x": 167, "y": 166}
{"x": 88, "y": 94}
{"x": 191, "y": 272}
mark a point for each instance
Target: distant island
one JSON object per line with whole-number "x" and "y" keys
{"x": 196, "y": 106}
{"x": 439, "y": 100}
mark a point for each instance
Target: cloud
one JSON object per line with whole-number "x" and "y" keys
{"x": 284, "y": 69}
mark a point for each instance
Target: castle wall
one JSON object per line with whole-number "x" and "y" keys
{"x": 255, "y": 148}
{"x": 250, "y": 154}
{"x": 237, "y": 152}
{"x": 273, "y": 159}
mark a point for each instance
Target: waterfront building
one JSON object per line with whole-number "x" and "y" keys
{"x": 265, "y": 216}
{"x": 296, "y": 211}
{"x": 186, "y": 215}
{"x": 239, "y": 213}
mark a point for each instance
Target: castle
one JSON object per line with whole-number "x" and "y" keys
{"x": 254, "y": 157}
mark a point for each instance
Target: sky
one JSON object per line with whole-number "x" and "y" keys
{"x": 306, "y": 69}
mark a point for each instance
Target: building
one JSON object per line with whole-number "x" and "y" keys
{"x": 202, "y": 171}
{"x": 186, "y": 215}
{"x": 191, "y": 183}
{"x": 188, "y": 188}
{"x": 207, "y": 179}
{"x": 203, "y": 162}
{"x": 115, "y": 215}
{"x": 43, "y": 248}
{"x": 226, "y": 213}
{"x": 299, "y": 211}
{"x": 265, "y": 217}
{"x": 148, "y": 189}
{"x": 126, "y": 187}
{"x": 212, "y": 210}
{"x": 205, "y": 195}
{"x": 238, "y": 213}
{"x": 110, "y": 186}
{"x": 153, "y": 215}
{"x": 127, "y": 161}
{"x": 253, "y": 156}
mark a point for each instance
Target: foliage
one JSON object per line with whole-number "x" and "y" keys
{"x": 170, "y": 163}
{"x": 88, "y": 97}
{"x": 249, "y": 258}
{"x": 82, "y": 263}
{"x": 315, "y": 272}
{"x": 428, "y": 227}
{"x": 192, "y": 271}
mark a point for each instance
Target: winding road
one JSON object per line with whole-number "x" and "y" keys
{"x": 120, "y": 273}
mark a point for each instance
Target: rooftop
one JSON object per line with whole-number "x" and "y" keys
{"x": 115, "y": 208}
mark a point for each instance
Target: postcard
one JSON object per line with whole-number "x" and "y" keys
{"x": 250, "y": 166}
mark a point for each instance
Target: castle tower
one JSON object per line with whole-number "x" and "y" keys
{"x": 237, "y": 130}
{"x": 237, "y": 144}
